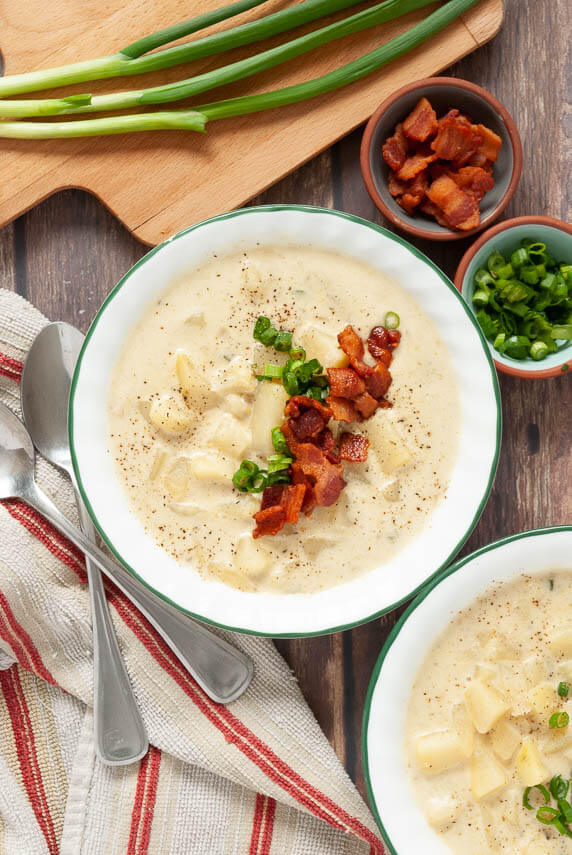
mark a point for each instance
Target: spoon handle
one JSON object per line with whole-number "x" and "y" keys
{"x": 221, "y": 670}
{"x": 120, "y": 735}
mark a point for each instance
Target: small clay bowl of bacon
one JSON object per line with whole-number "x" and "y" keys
{"x": 441, "y": 158}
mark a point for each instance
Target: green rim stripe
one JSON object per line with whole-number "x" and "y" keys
{"x": 427, "y": 589}
{"x": 308, "y": 210}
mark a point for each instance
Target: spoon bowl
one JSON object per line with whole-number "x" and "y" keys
{"x": 16, "y": 457}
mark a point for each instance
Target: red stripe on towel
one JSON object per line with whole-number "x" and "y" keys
{"x": 268, "y": 827}
{"x": 150, "y": 799}
{"x": 256, "y": 824}
{"x": 32, "y": 654}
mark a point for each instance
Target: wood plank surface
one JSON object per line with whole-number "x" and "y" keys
{"x": 159, "y": 183}
{"x": 67, "y": 253}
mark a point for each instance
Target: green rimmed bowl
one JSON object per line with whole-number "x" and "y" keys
{"x": 370, "y": 594}
{"x": 506, "y": 237}
{"x": 391, "y": 794}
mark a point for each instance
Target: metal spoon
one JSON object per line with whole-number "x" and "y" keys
{"x": 120, "y": 735}
{"x": 220, "y": 669}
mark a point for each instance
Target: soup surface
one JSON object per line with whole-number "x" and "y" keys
{"x": 185, "y": 408}
{"x": 487, "y": 719}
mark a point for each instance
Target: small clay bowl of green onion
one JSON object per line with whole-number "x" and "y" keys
{"x": 517, "y": 281}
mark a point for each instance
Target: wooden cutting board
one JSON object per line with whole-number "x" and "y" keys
{"x": 158, "y": 183}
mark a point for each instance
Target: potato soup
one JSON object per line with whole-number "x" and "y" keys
{"x": 186, "y": 408}
{"x": 488, "y": 721}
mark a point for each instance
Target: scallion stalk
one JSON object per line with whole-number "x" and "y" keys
{"x": 381, "y": 13}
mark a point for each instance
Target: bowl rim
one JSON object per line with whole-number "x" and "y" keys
{"x": 491, "y": 100}
{"x": 459, "y": 280}
{"x": 311, "y": 210}
{"x": 419, "y": 599}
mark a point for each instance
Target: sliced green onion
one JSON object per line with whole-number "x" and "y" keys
{"x": 249, "y": 478}
{"x": 538, "y": 350}
{"x": 277, "y": 462}
{"x": 273, "y": 372}
{"x": 391, "y": 321}
{"x": 505, "y": 272}
{"x": 529, "y": 274}
{"x": 547, "y": 815}
{"x": 562, "y": 331}
{"x": 481, "y": 297}
{"x": 262, "y": 324}
{"x": 519, "y": 257}
{"x": 297, "y": 353}
{"x": 559, "y": 826}
{"x": 483, "y": 277}
{"x": 559, "y": 720}
{"x": 499, "y": 342}
{"x": 558, "y": 787}
{"x": 565, "y": 809}
{"x": 541, "y": 789}
{"x": 517, "y": 346}
{"x": 283, "y": 341}
{"x": 495, "y": 262}
{"x": 563, "y": 689}
{"x": 279, "y": 441}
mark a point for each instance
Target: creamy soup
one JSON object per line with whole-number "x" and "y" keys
{"x": 488, "y": 718}
{"x": 185, "y": 408}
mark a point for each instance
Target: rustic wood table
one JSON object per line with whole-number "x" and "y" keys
{"x": 66, "y": 254}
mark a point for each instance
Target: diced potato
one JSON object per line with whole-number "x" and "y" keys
{"x": 556, "y": 739}
{"x": 267, "y": 412}
{"x": 237, "y": 377}
{"x": 185, "y": 509}
{"x": 463, "y": 727}
{"x": 565, "y": 669}
{"x": 236, "y": 405}
{"x": 386, "y": 442}
{"x": 251, "y": 558}
{"x": 211, "y": 467}
{"x": 392, "y": 491}
{"x": 177, "y": 479}
{"x": 485, "y": 705}
{"x": 170, "y": 416}
{"x": 498, "y": 647}
{"x": 486, "y": 671}
{"x": 321, "y": 345}
{"x": 561, "y": 641}
{"x": 197, "y": 318}
{"x": 193, "y": 381}
{"x": 543, "y": 701}
{"x": 487, "y": 775}
{"x": 505, "y": 739}
{"x": 442, "y": 811}
{"x": 230, "y": 576}
{"x": 438, "y": 751}
{"x": 530, "y": 766}
{"x": 158, "y": 463}
{"x": 229, "y": 436}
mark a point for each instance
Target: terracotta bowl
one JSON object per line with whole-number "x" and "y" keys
{"x": 506, "y": 237}
{"x": 444, "y": 93}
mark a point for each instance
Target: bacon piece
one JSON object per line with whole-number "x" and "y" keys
{"x": 325, "y": 441}
{"x": 377, "y": 341}
{"x": 456, "y": 139}
{"x": 269, "y": 521}
{"x": 415, "y": 192}
{"x": 421, "y": 123}
{"x": 459, "y": 208}
{"x": 292, "y": 501}
{"x": 345, "y": 383}
{"x": 290, "y": 437}
{"x": 308, "y": 425}
{"x": 298, "y": 477}
{"x": 353, "y": 447}
{"x": 491, "y": 142}
{"x": 343, "y": 410}
{"x": 395, "y": 186}
{"x": 415, "y": 164}
{"x": 272, "y": 496}
{"x": 327, "y": 476}
{"x": 394, "y": 149}
{"x": 366, "y": 405}
{"x": 474, "y": 181}
{"x": 482, "y": 161}
{"x": 296, "y": 405}
{"x": 379, "y": 381}
{"x": 430, "y": 208}
{"x": 352, "y": 346}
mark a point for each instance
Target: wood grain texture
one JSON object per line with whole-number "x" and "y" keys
{"x": 158, "y": 183}
{"x": 67, "y": 254}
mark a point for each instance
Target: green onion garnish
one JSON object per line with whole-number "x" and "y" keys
{"x": 278, "y": 462}
{"x": 565, "y": 809}
{"x": 538, "y": 349}
{"x": 279, "y": 441}
{"x": 558, "y": 787}
{"x": 391, "y": 321}
{"x": 563, "y": 689}
{"x": 546, "y": 815}
{"x": 559, "y": 720}
{"x": 249, "y": 478}
{"x": 541, "y": 789}
{"x": 272, "y": 372}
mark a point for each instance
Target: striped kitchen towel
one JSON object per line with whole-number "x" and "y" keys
{"x": 257, "y": 777}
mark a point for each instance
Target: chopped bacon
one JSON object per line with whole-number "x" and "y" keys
{"x": 327, "y": 476}
{"x": 308, "y": 425}
{"x": 269, "y": 521}
{"x": 394, "y": 338}
{"x": 430, "y": 208}
{"x": 325, "y": 441}
{"x": 377, "y": 340}
{"x": 415, "y": 192}
{"x": 298, "y": 403}
{"x": 353, "y": 447}
{"x": 345, "y": 383}
{"x": 421, "y": 123}
{"x": 366, "y": 405}
{"x": 395, "y": 186}
{"x": 352, "y": 346}
{"x": 343, "y": 410}
{"x": 272, "y": 496}
{"x": 481, "y": 160}
{"x": 385, "y": 356}
{"x": 456, "y": 138}
{"x": 491, "y": 143}
{"x": 378, "y": 381}
{"x": 474, "y": 181}
{"x": 460, "y": 209}
{"x": 292, "y": 501}
{"x": 290, "y": 437}
{"x": 415, "y": 164}
{"x": 394, "y": 149}
{"x": 309, "y": 500}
